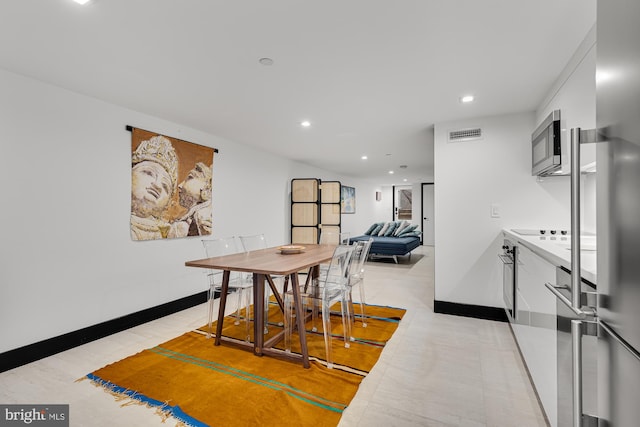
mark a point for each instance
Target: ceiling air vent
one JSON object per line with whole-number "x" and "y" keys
{"x": 465, "y": 135}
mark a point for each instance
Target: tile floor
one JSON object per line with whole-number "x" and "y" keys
{"x": 438, "y": 370}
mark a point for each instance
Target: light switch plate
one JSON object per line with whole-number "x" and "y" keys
{"x": 495, "y": 210}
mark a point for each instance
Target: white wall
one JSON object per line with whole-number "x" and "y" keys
{"x": 67, "y": 260}
{"x": 368, "y": 209}
{"x": 469, "y": 178}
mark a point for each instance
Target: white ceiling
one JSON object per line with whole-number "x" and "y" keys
{"x": 372, "y": 76}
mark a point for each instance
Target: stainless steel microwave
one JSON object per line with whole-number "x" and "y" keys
{"x": 546, "y": 146}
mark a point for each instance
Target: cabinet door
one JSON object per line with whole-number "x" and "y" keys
{"x": 521, "y": 325}
{"x": 540, "y": 348}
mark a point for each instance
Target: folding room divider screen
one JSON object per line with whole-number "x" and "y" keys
{"x": 315, "y": 207}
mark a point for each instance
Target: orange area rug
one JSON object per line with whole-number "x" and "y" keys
{"x": 199, "y": 384}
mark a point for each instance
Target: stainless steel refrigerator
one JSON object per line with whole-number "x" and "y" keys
{"x": 618, "y": 212}
{"x": 599, "y": 332}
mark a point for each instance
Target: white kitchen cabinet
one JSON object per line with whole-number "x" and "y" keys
{"x": 521, "y": 325}
{"x": 536, "y": 329}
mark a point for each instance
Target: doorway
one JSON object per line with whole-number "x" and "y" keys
{"x": 428, "y": 212}
{"x": 402, "y": 203}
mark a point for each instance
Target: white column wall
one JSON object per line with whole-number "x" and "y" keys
{"x": 469, "y": 178}
{"x": 66, "y": 257}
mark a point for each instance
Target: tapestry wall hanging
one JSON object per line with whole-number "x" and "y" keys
{"x": 348, "y": 200}
{"x": 171, "y": 183}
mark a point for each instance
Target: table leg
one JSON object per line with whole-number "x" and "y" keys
{"x": 223, "y": 304}
{"x": 275, "y": 291}
{"x": 258, "y": 313}
{"x": 300, "y": 318}
{"x": 308, "y": 281}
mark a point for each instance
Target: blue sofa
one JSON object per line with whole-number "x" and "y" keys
{"x": 390, "y": 247}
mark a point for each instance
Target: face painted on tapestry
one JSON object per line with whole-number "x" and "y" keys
{"x": 196, "y": 187}
{"x": 151, "y": 189}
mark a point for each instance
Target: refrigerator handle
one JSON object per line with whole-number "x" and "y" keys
{"x": 576, "y": 355}
{"x": 566, "y": 301}
{"x": 578, "y": 136}
{"x": 575, "y": 219}
{"x": 580, "y": 419}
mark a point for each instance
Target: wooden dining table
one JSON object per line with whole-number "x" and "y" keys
{"x": 264, "y": 263}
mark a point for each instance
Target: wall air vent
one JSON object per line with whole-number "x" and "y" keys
{"x": 465, "y": 135}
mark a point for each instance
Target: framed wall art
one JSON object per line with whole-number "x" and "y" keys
{"x": 171, "y": 182}
{"x": 348, "y": 200}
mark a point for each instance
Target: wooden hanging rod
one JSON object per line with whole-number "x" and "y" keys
{"x": 130, "y": 129}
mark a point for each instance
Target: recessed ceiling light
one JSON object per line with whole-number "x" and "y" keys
{"x": 263, "y": 61}
{"x": 81, "y": 1}
{"x": 364, "y": 157}
{"x": 305, "y": 123}
{"x": 390, "y": 172}
{"x": 467, "y": 98}
{"x": 405, "y": 180}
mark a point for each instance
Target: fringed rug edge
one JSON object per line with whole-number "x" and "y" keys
{"x": 163, "y": 409}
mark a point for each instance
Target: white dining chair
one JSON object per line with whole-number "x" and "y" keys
{"x": 334, "y": 237}
{"x": 237, "y": 282}
{"x": 253, "y": 243}
{"x": 333, "y": 287}
{"x": 356, "y": 274}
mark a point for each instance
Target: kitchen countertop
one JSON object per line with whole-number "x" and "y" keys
{"x": 556, "y": 250}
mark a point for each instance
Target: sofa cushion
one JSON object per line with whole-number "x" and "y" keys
{"x": 392, "y": 228}
{"x": 403, "y": 224}
{"x": 376, "y": 229}
{"x": 384, "y": 228}
{"x": 408, "y": 230}
{"x": 412, "y": 234}
{"x": 370, "y": 229}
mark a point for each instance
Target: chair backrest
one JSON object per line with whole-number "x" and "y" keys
{"x": 334, "y": 238}
{"x": 219, "y": 247}
{"x": 338, "y": 267}
{"x": 253, "y": 243}
{"x": 361, "y": 250}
